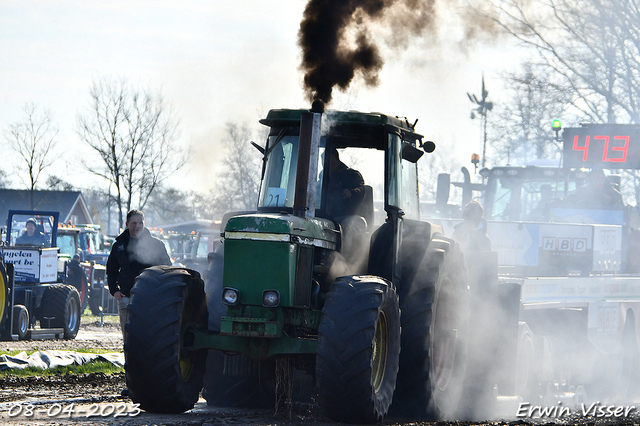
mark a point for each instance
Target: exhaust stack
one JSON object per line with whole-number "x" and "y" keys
{"x": 304, "y": 202}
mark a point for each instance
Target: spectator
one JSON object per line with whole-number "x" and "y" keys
{"x": 133, "y": 251}
{"x": 471, "y": 234}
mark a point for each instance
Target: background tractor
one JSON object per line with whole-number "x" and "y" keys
{"x": 39, "y": 302}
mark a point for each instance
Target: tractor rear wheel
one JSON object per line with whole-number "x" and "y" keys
{"x": 358, "y": 349}
{"x": 161, "y": 376}
{"x": 434, "y": 323}
{"x": 60, "y": 308}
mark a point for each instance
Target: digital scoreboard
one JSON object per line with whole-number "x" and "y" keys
{"x": 605, "y": 146}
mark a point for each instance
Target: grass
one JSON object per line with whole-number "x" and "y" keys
{"x": 88, "y": 318}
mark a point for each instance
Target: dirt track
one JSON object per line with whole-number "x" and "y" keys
{"x": 95, "y": 399}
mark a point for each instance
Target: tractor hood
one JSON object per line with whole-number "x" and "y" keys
{"x": 283, "y": 227}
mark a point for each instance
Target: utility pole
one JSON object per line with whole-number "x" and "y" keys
{"x": 484, "y": 106}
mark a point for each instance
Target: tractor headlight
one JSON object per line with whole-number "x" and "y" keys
{"x": 230, "y": 296}
{"x": 270, "y": 298}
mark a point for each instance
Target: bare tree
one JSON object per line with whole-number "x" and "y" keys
{"x": 168, "y": 205}
{"x": 4, "y": 179}
{"x": 99, "y": 202}
{"x": 592, "y": 47}
{"x": 238, "y": 182}
{"x": 521, "y": 130}
{"x": 135, "y": 134}
{"x": 55, "y": 183}
{"x": 34, "y": 139}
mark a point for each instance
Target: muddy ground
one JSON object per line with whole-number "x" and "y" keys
{"x": 95, "y": 399}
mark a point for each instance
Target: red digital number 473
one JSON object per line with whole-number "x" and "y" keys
{"x": 605, "y": 151}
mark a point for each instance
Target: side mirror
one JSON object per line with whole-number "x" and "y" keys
{"x": 411, "y": 153}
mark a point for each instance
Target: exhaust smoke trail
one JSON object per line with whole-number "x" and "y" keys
{"x": 337, "y": 43}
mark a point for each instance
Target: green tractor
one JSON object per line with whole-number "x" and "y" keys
{"x": 373, "y": 320}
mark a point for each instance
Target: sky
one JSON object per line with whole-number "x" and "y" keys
{"x": 220, "y": 61}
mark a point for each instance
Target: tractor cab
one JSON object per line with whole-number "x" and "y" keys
{"x": 24, "y": 226}
{"x": 369, "y": 143}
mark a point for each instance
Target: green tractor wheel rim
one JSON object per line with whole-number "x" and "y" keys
{"x": 380, "y": 351}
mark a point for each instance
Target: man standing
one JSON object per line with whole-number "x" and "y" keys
{"x": 133, "y": 251}
{"x": 471, "y": 234}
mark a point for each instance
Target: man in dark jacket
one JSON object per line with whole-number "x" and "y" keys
{"x": 471, "y": 234}
{"x": 31, "y": 236}
{"x": 345, "y": 189}
{"x": 133, "y": 251}
{"x": 345, "y": 193}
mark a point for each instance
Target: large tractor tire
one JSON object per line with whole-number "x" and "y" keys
{"x": 230, "y": 380}
{"x": 161, "y": 376}
{"x": 358, "y": 349}
{"x": 434, "y": 323}
{"x": 60, "y": 308}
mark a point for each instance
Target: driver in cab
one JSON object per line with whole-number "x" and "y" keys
{"x": 31, "y": 236}
{"x": 345, "y": 192}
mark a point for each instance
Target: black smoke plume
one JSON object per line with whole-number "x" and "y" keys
{"x": 337, "y": 42}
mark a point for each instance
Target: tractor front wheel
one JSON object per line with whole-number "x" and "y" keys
{"x": 358, "y": 349}
{"x": 161, "y": 376}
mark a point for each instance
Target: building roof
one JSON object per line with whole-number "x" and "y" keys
{"x": 70, "y": 204}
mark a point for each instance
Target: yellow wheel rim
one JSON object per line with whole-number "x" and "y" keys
{"x": 3, "y": 291}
